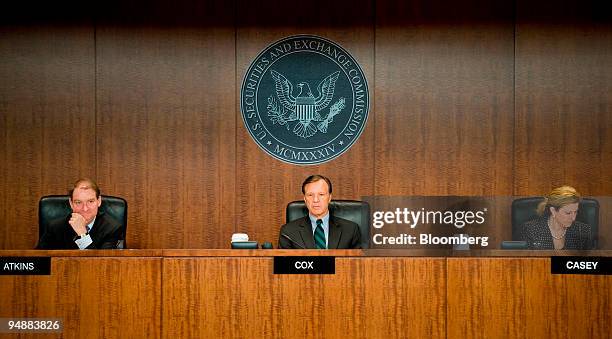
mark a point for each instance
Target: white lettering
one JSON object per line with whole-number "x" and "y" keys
{"x": 413, "y": 218}
{"x": 16, "y": 266}
{"x": 304, "y": 265}
{"x": 581, "y": 265}
{"x": 402, "y": 239}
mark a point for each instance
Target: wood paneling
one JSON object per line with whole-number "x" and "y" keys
{"x": 560, "y": 305}
{"x": 166, "y": 121}
{"x": 518, "y": 297}
{"x": 563, "y": 98}
{"x": 370, "y": 298}
{"x": 207, "y": 293}
{"x": 467, "y": 98}
{"x": 47, "y": 121}
{"x": 264, "y": 185}
{"x": 485, "y": 298}
{"x": 398, "y": 305}
{"x": 604, "y": 238}
{"x": 443, "y": 113}
{"x": 94, "y": 297}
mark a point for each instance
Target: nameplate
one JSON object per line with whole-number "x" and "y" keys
{"x": 304, "y": 265}
{"x": 581, "y": 265}
{"x": 25, "y": 265}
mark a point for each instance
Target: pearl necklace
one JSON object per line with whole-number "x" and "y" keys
{"x": 559, "y": 237}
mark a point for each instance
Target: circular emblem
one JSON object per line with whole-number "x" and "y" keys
{"x": 304, "y": 100}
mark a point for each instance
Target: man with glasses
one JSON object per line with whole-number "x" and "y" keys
{"x": 85, "y": 227}
{"x": 319, "y": 229}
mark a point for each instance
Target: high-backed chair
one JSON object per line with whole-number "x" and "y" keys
{"x": 52, "y": 207}
{"x": 353, "y": 210}
{"x": 524, "y": 209}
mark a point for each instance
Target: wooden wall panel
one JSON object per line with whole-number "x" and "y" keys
{"x": 166, "y": 121}
{"x": 467, "y": 98}
{"x": 47, "y": 120}
{"x": 94, "y": 297}
{"x": 400, "y": 306}
{"x": 485, "y": 298}
{"x": 519, "y": 297}
{"x": 563, "y": 97}
{"x": 581, "y": 306}
{"x": 444, "y": 90}
{"x": 265, "y": 185}
{"x": 604, "y": 237}
{"x": 366, "y": 298}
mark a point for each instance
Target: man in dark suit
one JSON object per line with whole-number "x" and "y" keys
{"x": 85, "y": 228}
{"x": 319, "y": 229}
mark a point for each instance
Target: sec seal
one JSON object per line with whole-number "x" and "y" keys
{"x": 304, "y": 100}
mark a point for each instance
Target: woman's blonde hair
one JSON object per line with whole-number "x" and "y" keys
{"x": 558, "y": 198}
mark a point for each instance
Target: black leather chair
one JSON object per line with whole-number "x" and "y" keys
{"x": 525, "y": 209}
{"x": 52, "y": 207}
{"x": 353, "y": 210}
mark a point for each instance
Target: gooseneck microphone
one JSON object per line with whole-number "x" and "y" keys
{"x": 293, "y": 241}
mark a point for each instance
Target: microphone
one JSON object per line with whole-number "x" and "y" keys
{"x": 293, "y": 241}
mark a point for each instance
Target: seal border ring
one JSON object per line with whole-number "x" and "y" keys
{"x": 274, "y": 155}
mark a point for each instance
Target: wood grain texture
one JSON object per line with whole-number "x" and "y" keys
{"x": 563, "y": 98}
{"x": 79, "y": 253}
{"x": 256, "y": 253}
{"x": 604, "y": 238}
{"x": 47, "y": 121}
{"x": 95, "y": 297}
{"x": 264, "y": 185}
{"x": 400, "y": 305}
{"x": 207, "y": 293}
{"x": 444, "y": 114}
{"x": 518, "y": 297}
{"x": 467, "y": 98}
{"x": 366, "y": 298}
{"x": 485, "y": 298}
{"x": 560, "y": 305}
{"x": 166, "y": 122}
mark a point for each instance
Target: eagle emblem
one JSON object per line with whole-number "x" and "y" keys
{"x": 304, "y": 100}
{"x": 304, "y": 108}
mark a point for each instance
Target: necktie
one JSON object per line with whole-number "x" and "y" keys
{"x": 319, "y": 235}
{"x": 87, "y": 228}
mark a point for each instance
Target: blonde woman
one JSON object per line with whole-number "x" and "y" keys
{"x": 556, "y": 227}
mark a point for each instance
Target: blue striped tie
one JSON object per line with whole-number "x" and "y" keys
{"x": 319, "y": 235}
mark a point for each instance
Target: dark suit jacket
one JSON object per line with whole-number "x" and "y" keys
{"x": 342, "y": 234}
{"x": 105, "y": 233}
{"x": 538, "y": 237}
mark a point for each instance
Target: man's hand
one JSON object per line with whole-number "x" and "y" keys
{"x": 78, "y": 223}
